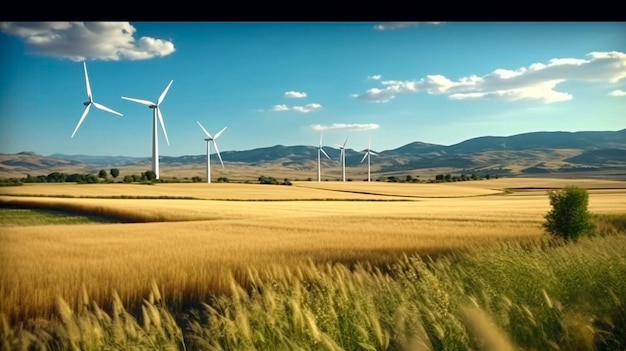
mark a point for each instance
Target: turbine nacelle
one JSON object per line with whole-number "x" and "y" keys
{"x": 90, "y": 102}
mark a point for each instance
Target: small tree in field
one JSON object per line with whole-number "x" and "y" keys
{"x": 569, "y": 218}
{"x": 114, "y": 172}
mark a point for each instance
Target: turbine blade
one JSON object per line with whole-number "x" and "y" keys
{"x": 340, "y": 146}
{"x": 344, "y": 143}
{"x": 162, "y": 124}
{"x": 82, "y": 118}
{"x": 218, "y": 152}
{"x": 143, "y": 102}
{"x": 219, "y": 133}
{"x": 320, "y": 140}
{"x": 364, "y": 156}
{"x": 373, "y": 153}
{"x": 325, "y": 154}
{"x": 89, "y": 96}
{"x": 204, "y": 130}
{"x": 164, "y": 92}
{"x": 104, "y": 108}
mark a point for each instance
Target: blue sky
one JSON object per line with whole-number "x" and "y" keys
{"x": 285, "y": 83}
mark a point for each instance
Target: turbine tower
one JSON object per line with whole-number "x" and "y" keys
{"x": 319, "y": 160}
{"x": 368, "y": 154}
{"x": 208, "y": 140}
{"x": 156, "y": 112}
{"x": 342, "y": 155}
{"x": 90, "y": 102}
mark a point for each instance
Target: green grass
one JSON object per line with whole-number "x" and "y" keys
{"x": 27, "y": 217}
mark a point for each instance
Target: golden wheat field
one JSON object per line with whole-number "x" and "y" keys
{"x": 190, "y": 246}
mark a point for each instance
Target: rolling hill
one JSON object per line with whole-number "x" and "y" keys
{"x": 528, "y": 153}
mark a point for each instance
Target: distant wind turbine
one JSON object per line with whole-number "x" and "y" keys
{"x": 90, "y": 102}
{"x": 368, "y": 154}
{"x": 342, "y": 155}
{"x": 319, "y": 160}
{"x": 156, "y": 112}
{"x": 208, "y": 140}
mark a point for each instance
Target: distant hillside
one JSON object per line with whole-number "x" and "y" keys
{"x": 543, "y": 140}
{"x": 30, "y": 162}
{"x": 600, "y": 157}
{"x": 101, "y": 161}
{"x": 528, "y": 153}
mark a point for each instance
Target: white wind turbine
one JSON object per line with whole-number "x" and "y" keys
{"x": 208, "y": 140}
{"x": 342, "y": 155}
{"x": 90, "y": 102}
{"x": 368, "y": 154}
{"x": 319, "y": 159}
{"x": 156, "y": 112}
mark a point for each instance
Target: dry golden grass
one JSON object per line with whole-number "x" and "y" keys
{"x": 215, "y": 191}
{"x": 192, "y": 259}
{"x": 400, "y": 189}
{"x": 540, "y": 183}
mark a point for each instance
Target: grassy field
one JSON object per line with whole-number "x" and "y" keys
{"x": 192, "y": 248}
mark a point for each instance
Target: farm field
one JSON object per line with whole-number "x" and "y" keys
{"x": 192, "y": 247}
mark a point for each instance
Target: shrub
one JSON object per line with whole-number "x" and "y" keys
{"x": 569, "y": 218}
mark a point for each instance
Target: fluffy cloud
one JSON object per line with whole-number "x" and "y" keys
{"x": 343, "y": 126}
{"x": 535, "y": 82}
{"x": 374, "y": 77}
{"x": 78, "y": 41}
{"x": 617, "y": 92}
{"x": 303, "y": 109}
{"x": 307, "y": 108}
{"x": 399, "y": 25}
{"x": 295, "y": 94}
{"x": 279, "y": 108}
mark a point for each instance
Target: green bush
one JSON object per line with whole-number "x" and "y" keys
{"x": 569, "y": 218}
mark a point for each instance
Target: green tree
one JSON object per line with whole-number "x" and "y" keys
{"x": 102, "y": 174}
{"x": 150, "y": 175}
{"x": 569, "y": 218}
{"x": 114, "y": 172}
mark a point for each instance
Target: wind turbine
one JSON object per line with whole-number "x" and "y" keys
{"x": 90, "y": 102}
{"x": 319, "y": 159}
{"x": 342, "y": 155}
{"x": 156, "y": 112}
{"x": 368, "y": 154}
{"x": 208, "y": 140}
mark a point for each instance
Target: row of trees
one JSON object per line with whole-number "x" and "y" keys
{"x": 59, "y": 177}
{"x": 461, "y": 178}
{"x": 272, "y": 180}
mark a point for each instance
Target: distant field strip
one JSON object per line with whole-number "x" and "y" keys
{"x": 415, "y": 190}
{"x": 215, "y": 191}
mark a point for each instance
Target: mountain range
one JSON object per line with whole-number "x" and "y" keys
{"x": 528, "y": 153}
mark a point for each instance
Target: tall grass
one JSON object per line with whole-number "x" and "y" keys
{"x": 540, "y": 295}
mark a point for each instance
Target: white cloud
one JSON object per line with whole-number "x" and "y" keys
{"x": 617, "y": 92}
{"x": 399, "y": 25}
{"x": 303, "y": 109}
{"x": 78, "y": 41}
{"x": 295, "y": 94}
{"x": 343, "y": 126}
{"x": 537, "y": 82}
{"x": 374, "y": 77}
{"x": 307, "y": 108}
{"x": 280, "y": 108}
